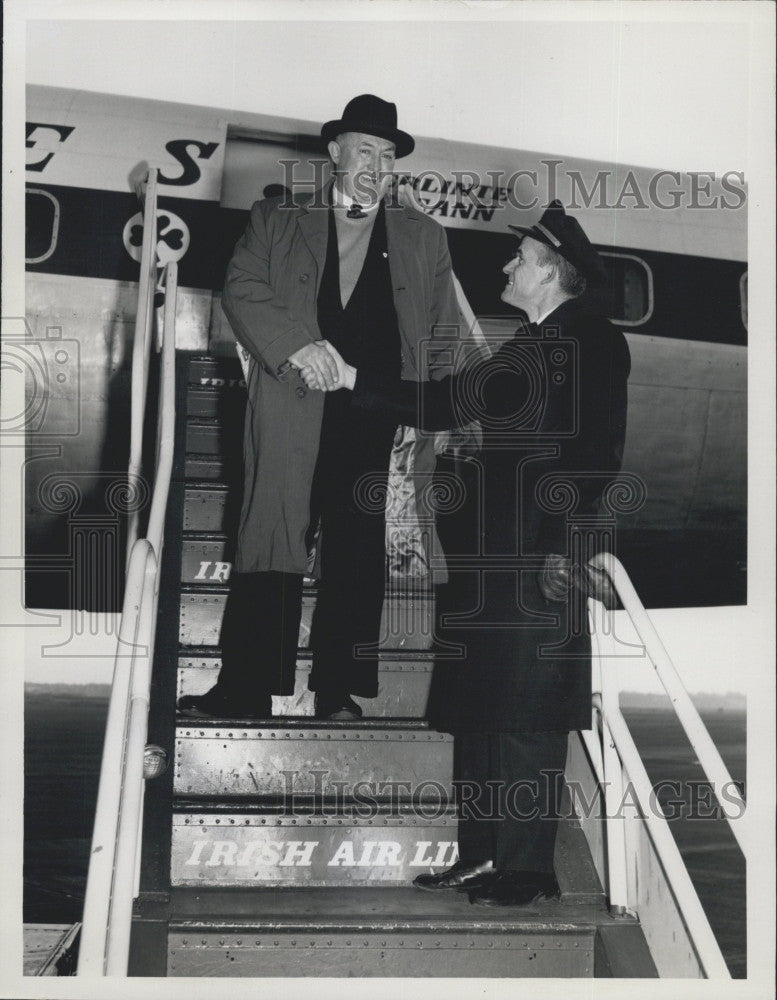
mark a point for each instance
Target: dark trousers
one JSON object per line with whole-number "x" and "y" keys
{"x": 259, "y": 637}
{"x": 508, "y": 788}
{"x": 346, "y": 622}
{"x": 349, "y": 497}
{"x": 260, "y": 633}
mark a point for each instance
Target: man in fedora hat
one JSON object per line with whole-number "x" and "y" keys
{"x": 552, "y": 405}
{"x": 345, "y": 267}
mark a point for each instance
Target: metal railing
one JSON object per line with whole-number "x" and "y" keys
{"x": 146, "y": 190}
{"x": 113, "y": 876}
{"x": 617, "y": 754}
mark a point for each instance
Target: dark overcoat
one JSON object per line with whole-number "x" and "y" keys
{"x": 552, "y": 403}
{"x": 270, "y": 298}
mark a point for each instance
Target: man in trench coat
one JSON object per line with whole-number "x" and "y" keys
{"x": 300, "y": 274}
{"x": 552, "y": 406}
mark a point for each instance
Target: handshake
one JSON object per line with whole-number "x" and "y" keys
{"x": 321, "y": 366}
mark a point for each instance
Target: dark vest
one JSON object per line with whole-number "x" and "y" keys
{"x": 355, "y": 442}
{"x": 366, "y": 332}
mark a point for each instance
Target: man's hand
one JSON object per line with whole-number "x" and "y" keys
{"x": 599, "y": 586}
{"x": 555, "y": 578}
{"x": 345, "y": 374}
{"x": 319, "y": 366}
{"x": 558, "y": 576}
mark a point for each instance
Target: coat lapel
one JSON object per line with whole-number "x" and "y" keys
{"x": 314, "y": 228}
{"x": 401, "y": 234}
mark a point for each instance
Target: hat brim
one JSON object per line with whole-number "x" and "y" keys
{"x": 533, "y": 232}
{"x": 593, "y": 272}
{"x": 404, "y": 143}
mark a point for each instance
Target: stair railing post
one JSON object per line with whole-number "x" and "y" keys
{"x": 126, "y": 856}
{"x": 142, "y": 342}
{"x": 100, "y": 881}
{"x": 732, "y": 804}
{"x": 602, "y": 650}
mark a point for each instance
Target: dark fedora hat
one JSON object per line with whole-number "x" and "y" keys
{"x": 565, "y": 235}
{"x": 372, "y": 116}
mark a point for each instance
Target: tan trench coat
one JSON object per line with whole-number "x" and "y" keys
{"x": 270, "y": 298}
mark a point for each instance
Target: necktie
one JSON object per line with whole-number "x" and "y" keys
{"x": 355, "y": 211}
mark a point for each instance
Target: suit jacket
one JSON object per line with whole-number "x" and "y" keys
{"x": 270, "y": 299}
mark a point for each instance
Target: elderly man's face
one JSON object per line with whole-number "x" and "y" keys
{"x": 364, "y": 164}
{"x": 526, "y": 278}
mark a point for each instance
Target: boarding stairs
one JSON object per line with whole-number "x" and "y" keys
{"x": 286, "y": 847}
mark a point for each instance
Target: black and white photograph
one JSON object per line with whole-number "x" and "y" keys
{"x": 387, "y": 464}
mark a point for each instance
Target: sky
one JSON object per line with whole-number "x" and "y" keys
{"x": 669, "y": 85}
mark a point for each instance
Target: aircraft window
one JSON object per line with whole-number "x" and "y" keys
{"x": 743, "y": 298}
{"x": 41, "y": 225}
{"x": 630, "y": 298}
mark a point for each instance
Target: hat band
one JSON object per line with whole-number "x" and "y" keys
{"x": 548, "y": 234}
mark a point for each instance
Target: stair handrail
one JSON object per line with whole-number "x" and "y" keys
{"x": 105, "y": 847}
{"x": 166, "y": 421}
{"x": 146, "y": 191}
{"x": 618, "y": 751}
{"x": 112, "y": 881}
{"x": 701, "y": 742}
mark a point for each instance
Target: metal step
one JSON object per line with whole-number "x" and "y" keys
{"x": 376, "y": 932}
{"x": 338, "y": 844}
{"x": 215, "y": 371}
{"x": 205, "y": 507}
{"x": 203, "y": 557}
{"x": 407, "y": 621}
{"x": 207, "y": 554}
{"x": 210, "y": 467}
{"x": 217, "y": 760}
{"x": 205, "y": 436}
{"x": 403, "y": 684}
{"x": 216, "y": 841}
{"x": 215, "y": 402}
{"x": 207, "y": 551}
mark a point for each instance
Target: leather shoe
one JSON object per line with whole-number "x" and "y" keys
{"x": 516, "y": 888}
{"x": 463, "y": 875}
{"x": 336, "y": 708}
{"x": 213, "y": 704}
